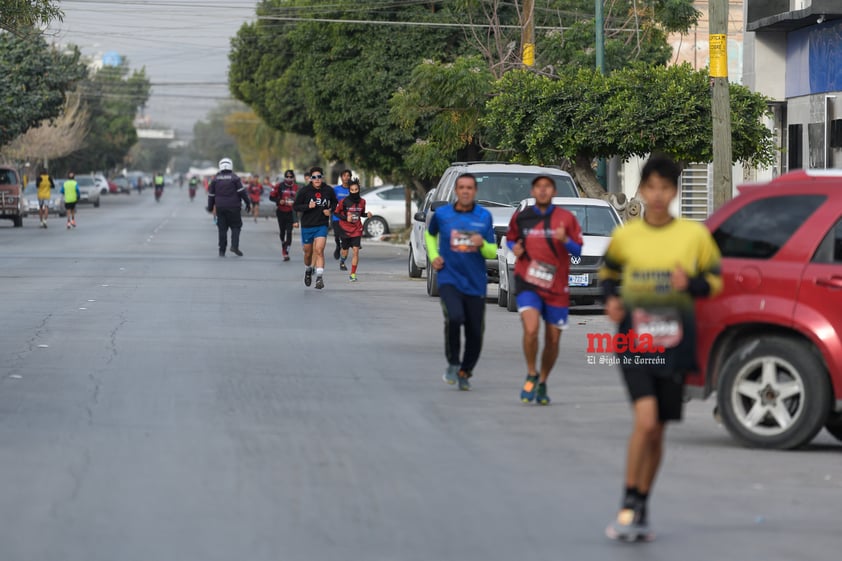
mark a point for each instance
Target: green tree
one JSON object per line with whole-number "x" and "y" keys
{"x": 16, "y": 15}
{"x": 584, "y": 115}
{"x": 211, "y": 142}
{"x": 36, "y": 79}
{"x": 113, "y": 94}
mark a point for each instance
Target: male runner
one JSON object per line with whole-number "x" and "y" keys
{"x": 70, "y": 190}
{"x": 542, "y": 237}
{"x": 350, "y": 211}
{"x": 341, "y": 191}
{"x": 314, "y": 203}
{"x": 284, "y": 196}
{"x": 664, "y": 264}
{"x": 45, "y": 185}
{"x": 255, "y": 192}
{"x": 459, "y": 238}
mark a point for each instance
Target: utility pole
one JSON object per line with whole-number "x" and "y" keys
{"x": 600, "y": 65}
{"x": 527, "y": 38}
{"x": 721, "y": 103}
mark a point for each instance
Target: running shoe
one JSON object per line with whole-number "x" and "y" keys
{"x": 320, "y": 283}
{"x": 342, "y": 266}
{"x": 73, "y": 223}
{"x": 451, "y": 374}
{"x": 530, "y": 388}
{"x": 286, "y": 257}
{"x": 236, "y": 251}
{"x": 464, "y": 381}
{"x": 542, "y": 398}
{"x": 222, "y": 253}
{"x": 353, "y": 277}
{"x": 308, "y": 277}
{"x": 629, "y": 527}
{"x": 68, "y": 225}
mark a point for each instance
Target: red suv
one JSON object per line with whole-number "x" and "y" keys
{"x": 770, "y": 345}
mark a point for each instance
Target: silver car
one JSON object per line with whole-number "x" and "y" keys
{"x": 387, "y": 205}
{"x": 30, "y": 200}
{"x": 88, "y": 189}
{"x": 598, "y": 220}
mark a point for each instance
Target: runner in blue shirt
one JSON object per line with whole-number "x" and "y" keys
{"x": 341, "y": 192}
{"x": 460, "y": 237}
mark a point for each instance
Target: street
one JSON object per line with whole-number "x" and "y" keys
{"x": 158, "y": 403}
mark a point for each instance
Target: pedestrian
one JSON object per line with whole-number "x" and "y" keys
{"x": 350, "y": 211}
{"x": 283, "y": 196}
{"x": 653, "y": 270}
{"x": 224, "y": 195}
{"x": 314, "y": 203}
{"x": 194, "y": 184}
{"x": 542, "y": 238}
{"x": 70, "y": 190}
{"x": 255, "y": 192}
{"x": 459, "y": 238}
{"x": 45, "y": 185}
{"x": 341, "y": 191}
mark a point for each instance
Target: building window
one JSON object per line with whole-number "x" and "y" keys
{"x": 795, "y": 147}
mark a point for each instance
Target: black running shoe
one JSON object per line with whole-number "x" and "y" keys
{"x": 236, "y": 251}
{"x": 320, "y": 283}
{"x": 308, "y": 277}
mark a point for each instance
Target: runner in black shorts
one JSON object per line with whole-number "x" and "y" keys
{"x": 664, "y": 263}
{"x": 349, "y": 213}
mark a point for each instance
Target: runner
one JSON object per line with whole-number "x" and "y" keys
{"x": 45, "y": 185}
{"x": 341, "y": 191}
{"x": 663, "y": 263}
{"x": 255, "y": 192}
{"x": 70, "y": 190}
{"x": 459, "y": 238}
{"x": 283, "y": 195}
{"x": 159, "y": 186}
{"x": 224, "y": 195}
{"x": 349, "y": 211}
{"x": 194, "y": 184}
{"x": 542, "y": 237}
{"x": 313, "y": 203}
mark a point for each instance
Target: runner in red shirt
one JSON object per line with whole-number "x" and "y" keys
{"x": 283, "y": 194}
{"x": 255, "y": 192}
{"x": 351, "y": 211}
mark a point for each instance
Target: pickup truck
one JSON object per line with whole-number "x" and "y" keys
{"x": 11, "y": 201}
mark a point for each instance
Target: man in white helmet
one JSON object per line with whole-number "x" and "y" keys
{"x": 225, "y": 193}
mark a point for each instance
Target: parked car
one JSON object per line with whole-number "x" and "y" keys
{"x": 122, "y": 183}
{"x": 598, "y": 220}
{"x": 770, "y": 345}
{"x": 88, "y": 190}
{"x": 101, "y": 184}
{"x": 387, "y": 204}
{"x": 11, "y": 196}
{"x": 502, "y": 186}
{"x": 417, "y": 245}
{"x": 30, "y": 200}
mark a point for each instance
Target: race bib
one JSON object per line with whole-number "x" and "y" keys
{"x": 288, "y": 202}
{"x": 664, "y": 326}
{"x": 353, "y": 217}
{"x": 460, "y": 241}
{"x": 540, "y": 274}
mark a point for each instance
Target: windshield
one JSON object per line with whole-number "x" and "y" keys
{"x": 594, "y": 220}
{"x": 8, "y": 177}
{"x": 84, "y": 181}
{"x": 508, "y": 189}
{"x": 31, "y": 189}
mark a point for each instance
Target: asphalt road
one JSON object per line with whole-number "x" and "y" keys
{"x": 158, "y": 403}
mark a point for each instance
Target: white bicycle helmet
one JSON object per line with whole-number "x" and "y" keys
{"x": 225, "y": 164}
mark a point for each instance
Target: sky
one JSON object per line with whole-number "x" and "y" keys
{"x": 183, "y": 44}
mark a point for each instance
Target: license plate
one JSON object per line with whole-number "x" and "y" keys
{"x": 577, "y": 280}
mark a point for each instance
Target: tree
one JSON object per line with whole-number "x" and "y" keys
{"x": 211, "y": 142}
{"x": 53, "y": 139}
{"x": 16, "y": 15}
{"x": 584, "y": 115}
{"x": 35, "y": 80}
{"x": 113, "y": 94}
{"x": 266, "y": 149}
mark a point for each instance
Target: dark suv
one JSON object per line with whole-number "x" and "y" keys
{"x": 770, "y": 345}
{"x": 11, "y": 196}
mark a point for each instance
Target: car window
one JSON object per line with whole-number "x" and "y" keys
{"x": 830, "y": 250}
{"x": 510, "y": 188}
{"x": 84, "y": 181}
{"x": 594, "y": 220}
{"x": 762, "y": 227}
{"x": 394, "y": 194}
{"x": 428, "y": 200}
{"x": 8, "y": 177}
{"x": 30, "y": 189}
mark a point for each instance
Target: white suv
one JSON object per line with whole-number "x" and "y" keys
{"x": 501, "y": 188}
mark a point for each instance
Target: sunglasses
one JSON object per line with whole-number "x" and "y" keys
{"x": 317, "y": 176}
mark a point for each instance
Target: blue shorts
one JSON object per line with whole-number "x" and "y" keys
{"x": 553, "y": 315}
{"x": 310, "y": 234}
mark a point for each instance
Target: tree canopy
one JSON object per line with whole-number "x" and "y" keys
{"x": 16, "y": 15}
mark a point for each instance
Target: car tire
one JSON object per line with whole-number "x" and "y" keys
{"x": 834, "y": 425}
{"x": 511, "y": 302}
{"x": 17, "y": 221}
{"x": 432, "y": 282}
{"x": 502, "y": 296}
{"x": 376, "y": 227}
{"x": 414, "y": 270}
{"x": 750, "y": 385}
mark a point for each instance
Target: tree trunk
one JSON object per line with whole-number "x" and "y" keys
{"x": 586, "y": 177}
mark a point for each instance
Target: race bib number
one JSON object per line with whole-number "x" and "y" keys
{"x": 460, "y": 241}
{"x": 540, "y": 274}
{"x": 353, "y": 217}
{"x": 288, "y": 202}
{"x": 664, "y": 326}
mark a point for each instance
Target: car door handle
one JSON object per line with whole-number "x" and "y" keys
{"x": 832, "y": 282}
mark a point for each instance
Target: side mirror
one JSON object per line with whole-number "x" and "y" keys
{"x": 437, "y": 204}
{"x": 420, "y": 216}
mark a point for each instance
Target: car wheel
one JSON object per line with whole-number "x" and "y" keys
{"x": 376, "y": 227}
{"x": 17, "y": 221}
{"x": 834, "y": 425}
{"x": 502, "y": 296}
{"x": 414, "y": 270}
{"x": 774, "y": 393}
{"x": 511, "y": 303}
{"x": 432, "y": 282}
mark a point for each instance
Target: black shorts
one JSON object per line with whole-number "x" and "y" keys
{"x": 70, "y": 206}
{"x": 348, "y": 243}
{"x": 668, "y": 390}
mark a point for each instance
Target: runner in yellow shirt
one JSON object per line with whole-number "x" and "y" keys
{"x": 45, "y": 186}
